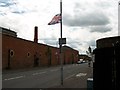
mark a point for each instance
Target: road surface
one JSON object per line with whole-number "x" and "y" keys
{"x": 45, "y": 77}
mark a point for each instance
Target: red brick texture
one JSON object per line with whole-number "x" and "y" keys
{"x": 20, "y": 53}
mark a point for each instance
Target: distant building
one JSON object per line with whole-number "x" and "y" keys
{"x": 21, "y": 53}
{"x": 84, "y": 57}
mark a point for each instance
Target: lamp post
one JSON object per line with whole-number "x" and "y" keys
{"x": 61, "y": 43}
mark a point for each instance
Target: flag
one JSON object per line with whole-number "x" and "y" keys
{"x": 56, "y": 19}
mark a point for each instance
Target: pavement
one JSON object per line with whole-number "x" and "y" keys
{"x": 8, "y": 71}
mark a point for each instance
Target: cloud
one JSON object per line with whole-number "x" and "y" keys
{"x": 18, "y": 12}
{"x": 100, "y": 29}
{"x": 73, "y": 43}
{"x": 51, "y": 41}
{"x": 2, "y": 14}
{"x": 88, "y": 14}
{"x": 88, "y": 19}
{"x": 6, "y": 3}
{"x": 92, "y": 43}
{"x": 10, "y": 6}
{"x": 84, "y": 21}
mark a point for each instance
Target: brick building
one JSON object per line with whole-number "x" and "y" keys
{"x": 21, "y": 53}
{"x": 84, "y": 57}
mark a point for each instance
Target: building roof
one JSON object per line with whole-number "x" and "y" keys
{"x": 13, "y": 34}
{"x": 8, "y": 32}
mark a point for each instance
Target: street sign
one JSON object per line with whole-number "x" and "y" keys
{"x": 62, "y": 41}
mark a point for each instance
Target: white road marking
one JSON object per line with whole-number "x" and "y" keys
{"x": 14, "y": 78}
{"x": 38, "y": 73}
{"x": 54, "y": 70}
{"x": 81, "y": 74}
{"x": 70, "y": 76}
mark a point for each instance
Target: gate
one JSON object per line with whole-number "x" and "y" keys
{"x": 106, "y": 71}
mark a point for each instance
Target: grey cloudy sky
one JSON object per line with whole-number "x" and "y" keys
{"x": 84, "y": 21}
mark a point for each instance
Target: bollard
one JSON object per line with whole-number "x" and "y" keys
{"x": 90, "y": 84}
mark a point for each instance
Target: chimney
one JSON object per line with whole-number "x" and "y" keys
{"x": 36, "y": 34}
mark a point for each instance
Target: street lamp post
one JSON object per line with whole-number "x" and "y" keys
{"x": 61, "y": 43}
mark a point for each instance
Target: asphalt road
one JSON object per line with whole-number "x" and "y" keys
{"x": 45, "y": 77}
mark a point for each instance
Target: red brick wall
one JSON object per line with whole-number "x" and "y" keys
{"x": 70, "y": 56}
{"x": 21, "y": 48}
{"x": 46, "y": 55}
{"x": 54, "y": 56}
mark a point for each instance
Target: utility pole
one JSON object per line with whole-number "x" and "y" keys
{"x": 61, "y": 43}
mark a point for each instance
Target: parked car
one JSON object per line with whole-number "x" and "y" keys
{"x": 79, "y": 62}
{"x": 83, "y": 61}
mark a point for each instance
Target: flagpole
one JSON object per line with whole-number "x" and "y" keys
{"x": 61, "y": 43}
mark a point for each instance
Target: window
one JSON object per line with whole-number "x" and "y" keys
{"x": 11, "y": 53}
{"x": 28, "y": 54}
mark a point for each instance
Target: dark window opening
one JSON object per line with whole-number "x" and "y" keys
{"x": 28, "y": 54}
{"x": 11, "y": 53}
